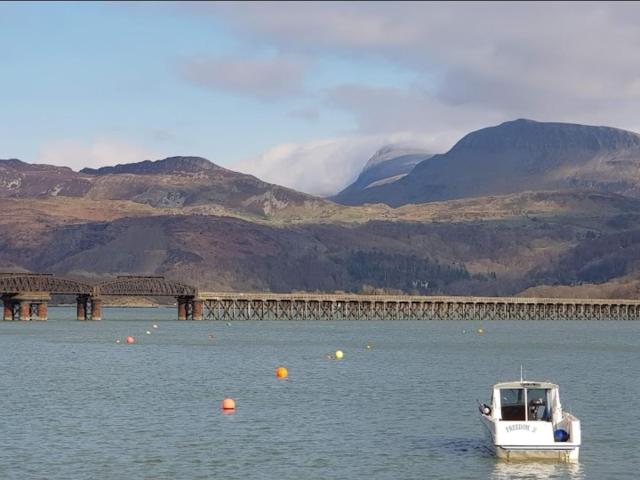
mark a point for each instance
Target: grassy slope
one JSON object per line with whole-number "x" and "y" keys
{"x": 491, "y": 245}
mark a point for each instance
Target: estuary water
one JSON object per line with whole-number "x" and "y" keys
{"x": 74, "y": 404}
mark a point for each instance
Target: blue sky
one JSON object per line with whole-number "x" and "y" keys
{"x": 77, "y": 71}
{"x": 299, "y": 94}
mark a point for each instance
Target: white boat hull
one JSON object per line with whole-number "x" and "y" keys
{"x": 518, "y": 441}
{"x": 542, "y": 453}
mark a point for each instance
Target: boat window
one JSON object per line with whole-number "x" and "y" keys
{"x": 512, "y": 404}
{"x": 538, "y": 404}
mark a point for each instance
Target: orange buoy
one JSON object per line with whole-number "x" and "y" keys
{"x": 228, "y": 404}
{"x": 282, "y": 372}
{"x": 130, "y": 340}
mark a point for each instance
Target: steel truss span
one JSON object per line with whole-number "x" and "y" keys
{"x": 145, "y": 286}
{"x": 13, "y": 283}
{"x": 17, "y": 283}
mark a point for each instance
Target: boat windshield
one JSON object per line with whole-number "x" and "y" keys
{"x": 525, "y": 404}
{"x": 512, "y": 404}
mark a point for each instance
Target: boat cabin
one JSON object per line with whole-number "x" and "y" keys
{"x": 525, "y": 420}
{"x": 526, "y": 402}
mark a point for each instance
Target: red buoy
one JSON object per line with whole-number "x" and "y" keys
{"x": 228, "y": 404}
{"x": 130, "y": 340}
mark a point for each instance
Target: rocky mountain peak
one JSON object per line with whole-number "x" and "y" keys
{"x": 165, "y": 166}
{"x": 19, "y": 166}
{"x": 529, "y": 135}
{"x": 516, "y": 156}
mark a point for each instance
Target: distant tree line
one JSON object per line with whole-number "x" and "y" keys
{"x": 408, "y": 273}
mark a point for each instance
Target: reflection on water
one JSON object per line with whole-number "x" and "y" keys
{"x": 536, "y": 471}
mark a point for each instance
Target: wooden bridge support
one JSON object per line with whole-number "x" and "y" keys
{"x": 360, "y": 307}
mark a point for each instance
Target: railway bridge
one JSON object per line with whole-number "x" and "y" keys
{"x": 26, "y": 296}
{"x": 262, "y": 306}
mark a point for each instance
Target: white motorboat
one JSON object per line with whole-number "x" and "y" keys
{"x": 525, "y": 420}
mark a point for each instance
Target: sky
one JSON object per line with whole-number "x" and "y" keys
{"x": 301, "y": 94}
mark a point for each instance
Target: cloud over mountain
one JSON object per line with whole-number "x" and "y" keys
{"x": 322, "y": 167}
{"x": 471, "y": 64}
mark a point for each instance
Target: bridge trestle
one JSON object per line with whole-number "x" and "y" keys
{"x": 242, "y": 306}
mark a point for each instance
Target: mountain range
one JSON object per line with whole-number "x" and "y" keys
{"x": 521, "y": 155}
{"x": 172, "y": 182}
{"x": 520, "y": 208}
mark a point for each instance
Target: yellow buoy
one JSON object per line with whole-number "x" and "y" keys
{"x": 480, "y": 331}
{"x": 281, "y": 372}
{"x": 339, "y": 354}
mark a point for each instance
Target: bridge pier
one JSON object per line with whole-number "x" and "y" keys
{"x": 196, "y": 309}
{"x": 182, "y": 308}
{"x": 96, "y": 308}
{"x": 24, "y": 312}
{"x": 42, "y": 311}
{"x": 25, "y": 306}
{"x": 7, "y": 308}
{"x": 81, "y": 307}
{"x": 190, "y": 309}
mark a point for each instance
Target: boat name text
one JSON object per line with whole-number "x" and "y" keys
{"x": 521, "y": 426}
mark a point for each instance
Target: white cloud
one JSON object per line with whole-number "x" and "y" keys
{"x": 563, "y": 61}
{"x": 98, "y": 152}
{"x": 379, "y": 110}
{"x": 324, "y": 167}
{"x": 262, "y": 78}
